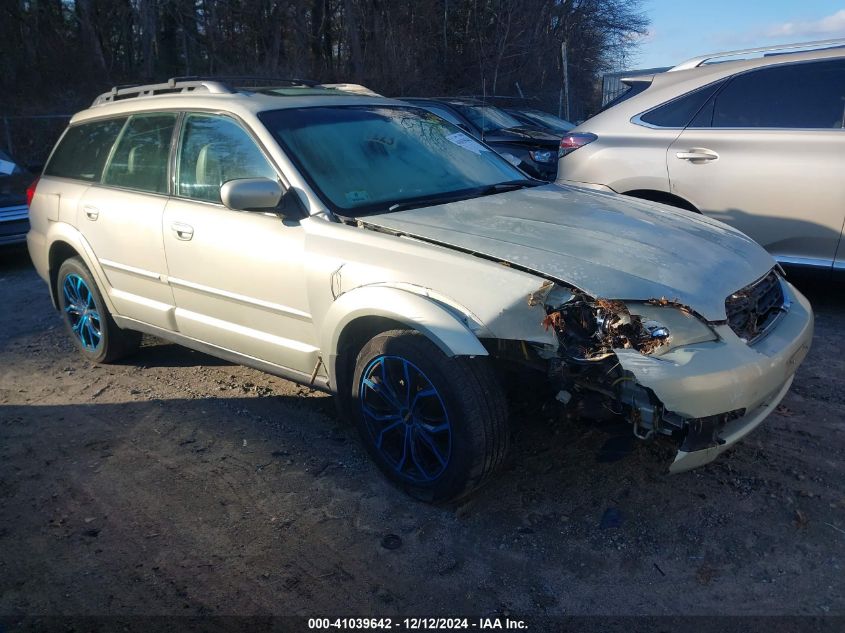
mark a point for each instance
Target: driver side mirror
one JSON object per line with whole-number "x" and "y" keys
{"x": 251, "y": 194}
{"x": 262, "y": 195}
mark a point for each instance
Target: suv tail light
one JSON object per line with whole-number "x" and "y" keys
{"x": 30, "y": 192}
{"x": 570, "y": 142}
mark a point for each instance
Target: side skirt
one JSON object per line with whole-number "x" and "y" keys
{"x": 319, "y": 382}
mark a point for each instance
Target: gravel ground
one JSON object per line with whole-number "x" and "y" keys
{"x": 177, "y": 484}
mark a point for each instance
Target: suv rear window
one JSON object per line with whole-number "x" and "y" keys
{"x": 801, "y": 96}
{"x": 679, "y": 112}
{"x": 84, "y": 149}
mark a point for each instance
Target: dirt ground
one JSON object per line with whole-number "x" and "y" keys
{"x": 174, "y": 483}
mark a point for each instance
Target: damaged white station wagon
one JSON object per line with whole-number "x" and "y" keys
{"x": 372, "y": 249}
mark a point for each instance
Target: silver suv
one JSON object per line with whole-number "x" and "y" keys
{"x": 756, "y": 143}
{"x": 372, "y": 249}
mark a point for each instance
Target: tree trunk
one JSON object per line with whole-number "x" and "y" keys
{"x": 147, "y": 20}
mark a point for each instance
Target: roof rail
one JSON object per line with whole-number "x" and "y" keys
{"x": 195, "y": 83}
{"x": 695, "y": 62}
{"x": 176, "y": 85}
{"x": 250, "y": 81}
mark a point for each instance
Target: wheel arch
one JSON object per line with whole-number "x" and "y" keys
{"x": 358, "y": 315}
{"x": 66, "y": 242}
{"x": 60, "y": 251}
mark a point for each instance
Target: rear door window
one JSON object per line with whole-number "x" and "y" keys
{"x": 140, "y": 159}
{"x": 214, "y": 150}
{"x": 84, "y": 149}
{"x": 799, "y": 96}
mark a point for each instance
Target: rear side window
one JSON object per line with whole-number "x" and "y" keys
{"x": 633, "y": 90}
{"x": 84, "y": 149}
{"x": 801, "y": 96}
{"x": 141, "y": 157}
{"x": 679, "y": 112}
{"x": 214, "y": 150}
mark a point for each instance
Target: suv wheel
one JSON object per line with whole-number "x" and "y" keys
{"x": 87, "y": 319}
{"x": 435, "y": 425}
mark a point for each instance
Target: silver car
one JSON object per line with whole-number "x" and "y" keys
{"x": 372, "y": 249}
{"x": 757, "y": 143}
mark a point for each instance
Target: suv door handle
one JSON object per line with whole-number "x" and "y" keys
{"x": 698, "y": 155}
{"x": 92, "y": 212}
{"x": 182, "y": 231}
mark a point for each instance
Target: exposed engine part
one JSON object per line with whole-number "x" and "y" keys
{"x": 589, "y": 330}
{"x": 588, "y": 377}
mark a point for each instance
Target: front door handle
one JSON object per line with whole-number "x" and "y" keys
{"x": 698, "y": 155}
{"x": 182, "y": 231}
{"x": 92, "y": 212}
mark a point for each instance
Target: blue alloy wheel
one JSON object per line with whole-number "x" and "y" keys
{"x": 406, "y": 418}
{"x": 82, "y": 312}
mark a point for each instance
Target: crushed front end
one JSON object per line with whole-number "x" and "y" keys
{"x": 667, "y": 371}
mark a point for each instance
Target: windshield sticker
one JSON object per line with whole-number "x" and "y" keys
{"x": 6, "y": 167}
{"x": 462, "y": 140}
{"x": 357, "y": 196}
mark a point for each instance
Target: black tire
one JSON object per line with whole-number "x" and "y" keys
{"x": 467, "y": 396}
{"x": 84, "y": 324}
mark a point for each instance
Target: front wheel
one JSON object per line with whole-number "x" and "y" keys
{"x": 87, "y": 318}
{"x": 436, "y": 425}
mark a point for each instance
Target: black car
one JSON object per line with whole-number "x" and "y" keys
{"x": 532, "y": 150}
{"x": 14, "y": 214}
{"x": 541, "y": 120}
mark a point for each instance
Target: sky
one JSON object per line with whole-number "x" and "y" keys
{"x": 681, "y": 29}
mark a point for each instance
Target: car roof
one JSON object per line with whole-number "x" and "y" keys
{"x": 238, "y": 101}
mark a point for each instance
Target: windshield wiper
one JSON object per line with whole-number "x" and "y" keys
{"x": 499, "y": 187}
{"x": 511, "y": 185}
{"x": 416, "y": 203}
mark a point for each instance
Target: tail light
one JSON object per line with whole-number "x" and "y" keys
{"x": 571, "y": 142}
{"x": 30, "y": 192}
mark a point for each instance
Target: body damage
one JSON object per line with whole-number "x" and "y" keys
{"x": 608, "y": 345}
{"x": 668, "y": 372}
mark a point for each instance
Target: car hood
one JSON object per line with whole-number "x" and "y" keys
{"x": 607, "y": 245}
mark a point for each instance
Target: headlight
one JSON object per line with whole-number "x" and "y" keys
{"x": 590, "y": 329}
{"x": 682, "y": 327}
{"x": 543, "y": 155}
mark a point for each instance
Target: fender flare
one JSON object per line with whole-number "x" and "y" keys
{"x": 445, "y": 327}
{"x": 63, "y": 232}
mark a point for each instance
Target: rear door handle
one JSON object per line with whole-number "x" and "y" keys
{"x": 698, "y": 155}
{"x": 182, "y": 231}
{"x": 92, "y": 212}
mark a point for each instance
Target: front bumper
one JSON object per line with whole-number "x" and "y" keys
{"x": 733, "y": 431}
{"x": 711, "y": 379}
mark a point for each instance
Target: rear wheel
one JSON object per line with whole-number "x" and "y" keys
{"x": 87, "y": 318}
{"x": 436, "y": 425}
